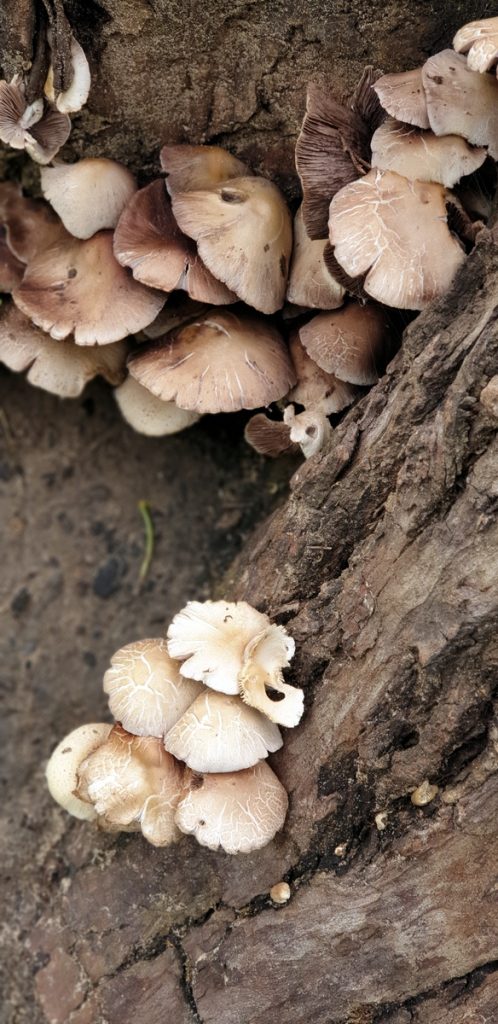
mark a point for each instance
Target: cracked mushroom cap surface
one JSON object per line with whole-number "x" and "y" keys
{"x": 479, "y": 40}
{"x": 219, "y": 733}
{"x": 194, "y": 167}
{"x": 89, "y": 195}
{"x": 461, "y": 101}
{"x": 423, "y": 156}
{"x": 221, "y": 362}
{"x": 243, "y": 231}
{"x": 76, "y": 286}
{"x": 147, "y": 414}
{"x": 210, "y": 639}
{"x": 352, "y": 343}
{"x": 234, "y": 811}
{"x": 402, "y": 95}
{"x": 395, "y": 231}
{"x": 310, "y": 283}
{"x": 64, "y": 763}
{"x": 315, "y": 388}
{"x": 146, "y": 692}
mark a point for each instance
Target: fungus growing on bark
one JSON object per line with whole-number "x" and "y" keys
{"x": 74, "y": 98}
{"x": 309, "y": 429}
{"x": 352, "y": 343}
{"x": 402, "y": 95}
{"x": 64, "y": 764}
{"x": 479, "y": 40}
{"x": 461, "y": 101}
{"x": 310, "y": 283}
{"x": 269, "y": 437}
{"x": 150, "y": 415}
{"x": 199, "y": 167}
{"x": 260, "y": 678}
{"x": 39, "y": 129}
{"x": 89, "y": 195}
{"x": 280, "y": 893}
{"x": 423, "y": 156}
{"x": 317, "y": 389}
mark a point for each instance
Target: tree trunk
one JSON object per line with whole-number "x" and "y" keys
{"x": 382, "y": 562}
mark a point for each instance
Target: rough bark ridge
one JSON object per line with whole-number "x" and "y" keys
{"x": 382, "y": 563}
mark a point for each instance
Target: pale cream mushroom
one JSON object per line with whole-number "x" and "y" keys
{"x": 461, "y": 101}
{"x": 149, "y": 241}
{"x": 150, "y": 415}
{"x": 219, "y": 733}
{"x": 64, "y": 763}
{"x": 352, "y": 343}
{"x": 89, "y": 195}
{"x": 235, "y": 811}
{"x": 79, "y": 287}
{"x": 423, "y": 156}
{"x": 75, "y": 97}
{"x": 261, "y": 683}
{"x": 193, "y": 167}
{"x": 316, "y": 389}
{"x": 35, "y": 127}
{"x": 479, "y": 40}
{"x": 310, "y": 283}
{"x": 59, "y": 367}
{"x": 146, "y": 692}
{"x": 221, "y": 362}
{"x": 309, "y": 429}
{"x": 395, "y": 231}
{"x": 402, "y": 95}
{"x": 210, "y": 638}
{"x": 243, "y": 232}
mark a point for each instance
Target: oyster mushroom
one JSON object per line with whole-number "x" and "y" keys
{"x": 269, "y": 437}
{"x": 194, "y": 167}
{"x": 479, "y": 40}
{"x": 150, "y": 415}
{"x": 261, "y": 684}
{"x": 403, "y": 96}
{"x": 461, "y": 101}
{"x": 353, "y": 344}
{"x": 310, "y": 283}
{"x": 309, "y": 429}
{"x": 315, "y": 388}
{"x": 89, "y": 195}
{"x": 64, "y": 763}
{"x": 39, "y": 129}
{"x": 423, "y": 156}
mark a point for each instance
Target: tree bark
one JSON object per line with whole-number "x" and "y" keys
{"x": 383, "y": 565}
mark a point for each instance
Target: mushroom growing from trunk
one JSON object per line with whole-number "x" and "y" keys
{"x": 36, "y": 127}
{"x": 309, "y": 429}
{"x": 353, "y": 343}
{"x": 461, "y": 101}
{"x": 479, "y": 40}
{"x": 150, "y": 415}
{"x": 402, "y": 95}
{"x": 64, "y": 764}
{"x": 89, "y": 195}
{"x": 74, "y": 98}
{"x": 310, "y": 283}
{"x": 423, "y": 156}
{"x": 193, "y": 167}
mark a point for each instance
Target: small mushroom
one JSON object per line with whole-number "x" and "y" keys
{"x": 353, "y": 344}
{"x": 150, "y": 415}
{"x": 423, "y": 156}
{"x": 221, "y": 362}
{"x": 315, "y": 388}
{"x": 403, "y": 96}
{"x": 74, "y": 98}
{"x": 260, "y": 679}
{"x": 89, "y": 195}
{"x": 146, "y": 692}
{"x": 269, "y": 437}
{"x": 479, "y": 40}
{"x": 235, "y": 811}
{"x": 64, "y": 763}
{"x": 309, "y": 429}
{"x": 280, "y": 893}
{"x": 35, "y": 127}
{"x": 461, "y": 101}
{"x": 243, "y": 232}
{"x": 193, "y": 167}
{"x": 219, "y": 733}
{"x": 310, "y": 283}
{"x": 394, "y": 231}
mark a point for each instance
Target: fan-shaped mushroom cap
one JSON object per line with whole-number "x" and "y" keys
{"x": 219, "y": 733}
{"x": 211, "y": 637}
{"x": 269, "y": 437}
{"x": 310, "y": 283}
{"x": 74, "y": 98}
{"x": 423, "y": 156}
{"x": 64, "y": 763}
{"x": 221, "y": 362}
{"x": 147, "y": 694}
{"x": 235, "y": 811}
{"x": 479, "y": 40}
{"x": 309, "y": 429}
{"x": 149, "y": 241}
{"x": 59, "y": 367}
{"x": 352, "y": 343}
{"x": 29, "y": 224}
{"x": 78, "y": 286}
{"x": 40, "y": 130}
{"x": 396, "y": 230}
{"x": 461, "y": 101}
{"x": 261, "y": 684}
{"x": 316, "y": 389}
{"x": 150, "y": 415}
{"x": 403, "y": 96}
{"x": 243, "y": 232}
{"x": 193, "y": 167}
{"x": 89, "y": 195}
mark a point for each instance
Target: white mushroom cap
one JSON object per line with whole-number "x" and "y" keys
{"x": 461, "y": 101}
{"x": 243, "y": 232}
{"x": 74, "y": 98}
{"x": 261, "y": 684}
{"x": 316, "y": 389}
{"x": 310, "y": 283}
{"x": 219, "y": 733}
{"x": 211, "y": 638}
{"x": 394, "y": 231}
{"x": 236, "y": 811}
{"x": 63, "y": 765}
{"x": 193, "y": 167}
{"x": 89, "y": 195}
{"x": 403, "y": 96}
{"x": 479, "y": 40}
{"x": 150, "y": 415}
{"x": 423, "y": 156}
{"x": 147, "y": 694}
{"x": 309, "y": 429}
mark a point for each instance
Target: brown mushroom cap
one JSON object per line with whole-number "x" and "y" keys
{"x": 235, "y": 811}
{"x": 403, "y": 96}
{"x": 11, "y": 269}
{"x": 310, "y": 283}
{"x": 243, "y": 232}
{"x": 423, "y": 156}
{"x": 59, "y": 367}
{"x": 315, "y": 388}
{"x": 461, "y": 101}
{"x": 353, "y": 343}
{"x": 149, "y": 241}
{"x": 45, "y": 138}
{"x": 194, "y": 167}
{"x": 150, "y": 415}
{"x": 396, "y": 230}
{"x": 220, "y": 363}
{"x": 479, "y": 40}
{"x": 29, "y": 224}
{"x": 89, "y": 195}
{"x": 78, "y": 286}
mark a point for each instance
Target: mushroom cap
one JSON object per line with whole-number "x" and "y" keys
{"x": 221, "y": 362}
{"x": 352, "y": 343}
{"x": 310, "y": 283}
{"x": 194, "y": 167}
{"x": 235, "y": 811}
{"x": 269, "y": 437}
{"x": 461, "y": 101}
{"x": 59, "y": 367}
{"x": 74, "y": 98}
{"x": 38, "y": 129}
{"x": 11, "y": 269}
{"x": 64, "y": 762}
{"x": 423, "y": 156}
{"x": 396, "y": 230}
{"x": 243, "y": 232}
{"x": 261, "y": 684}
{"x": 316, "y": 389}
{"x": 219, "y": 733}
{"x": 89, "y": 195}
{"x": 403, "y": 96}
{"x": 211, "y": 637}
{"x": 149, "y": 241}
{"x": 309, "y": 429}
{"x": 150, "y": 415}
{"x": 479, "y": 40}
{"x": 146, "y": 692}
{"x": 78, "y": 286}
{"x": 29, "y": 224}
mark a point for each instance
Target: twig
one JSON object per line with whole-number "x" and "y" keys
{"x": 144, "y": 510}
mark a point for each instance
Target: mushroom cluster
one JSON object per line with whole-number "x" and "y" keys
{"x": 219, "y": 302}
{"x": 196, "y": 716}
